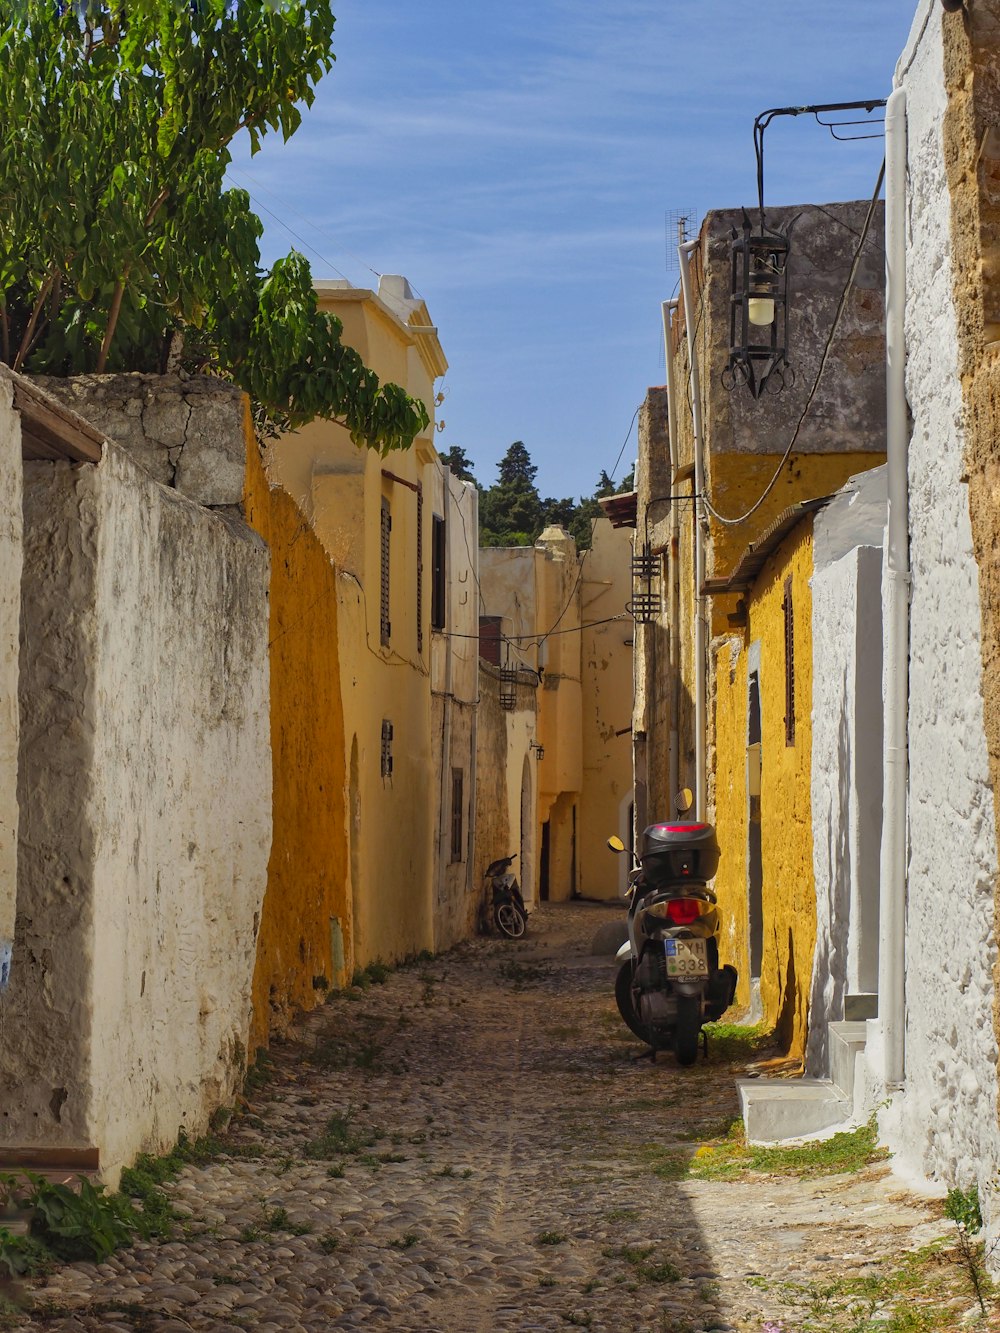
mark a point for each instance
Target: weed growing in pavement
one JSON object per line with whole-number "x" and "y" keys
{"x": 550, "y": 1238}
{"x": 328, "y": 1242}
{"x": 341, "y": 1139}
{"x": 645, "y": 1265}
{"x": 259, "y": 1073}
{"x": 406, "y": 1241}
{"x": 69, "y": 1224}
{"x": 376, "y": 973}
{"x": 579, "y": 1319}
{"x": 736, "y": 1043}
{"x": 922, "y": 1292}
{"x": 546, "y": 1280}
{"x": 733, "y": 1156}
{"x": 523, "y": 974}
{"x": 962, "y": 1208}
{"x": 23, "y": 1256}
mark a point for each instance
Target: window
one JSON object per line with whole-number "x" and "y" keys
{"x": 420, "y": 568}
{"x": 385, "y": 624}
{"x": 457, "y": 813}
{"x": 438, "y": 553}
{"x": 786, "y": 606}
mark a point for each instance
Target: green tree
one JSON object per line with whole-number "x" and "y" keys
{"x": 459, "y": 462}
{"x": 120, "y": 243}
{"x": 510, "y": 512}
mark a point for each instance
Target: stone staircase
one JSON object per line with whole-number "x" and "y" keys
{"x": 775, "y": 1109}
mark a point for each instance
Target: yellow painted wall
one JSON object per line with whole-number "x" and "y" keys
{"x": 387, "y": 861}
{"x": 729, "y": 665}
{"x": 307, "y": 871}
{"x": 789, "y": 898}
{"x": 785, "y": 802}
{"x": 606, "y": 650}
{"x": 737, "y": 479}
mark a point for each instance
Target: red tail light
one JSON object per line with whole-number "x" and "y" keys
{"x": 682, "y": 911}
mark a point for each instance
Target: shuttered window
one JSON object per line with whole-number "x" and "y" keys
{"x": 420, "y": 568}
{"x": 438, "y": 614}
{"x": 457, "y": 814}
{"x": 385, "y": 624}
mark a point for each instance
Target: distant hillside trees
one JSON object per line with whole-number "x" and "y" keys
{"x": 511, "y": 511}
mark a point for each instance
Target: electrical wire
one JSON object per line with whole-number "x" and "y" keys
{"x": 241, "y": 171}
{"x": 516, "y": 638}
{"x": 733, "y": 522}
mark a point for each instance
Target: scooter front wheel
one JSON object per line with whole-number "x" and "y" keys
{"x": 688, "y": 1029}
{"x": 510, "y": 920}
{"x": 626, "y": 1005}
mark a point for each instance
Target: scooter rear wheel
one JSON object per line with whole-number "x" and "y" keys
{"x": 509, "y": 920}
{"x": 626, "y": 1006}
{"x": 688, "y": 1029}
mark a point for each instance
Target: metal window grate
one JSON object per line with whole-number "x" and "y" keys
{"x": 385, "y": 624}
{"x": 786, "y": 607}
{"x": 508, "y": 688}
{"x": 646, "y": 599}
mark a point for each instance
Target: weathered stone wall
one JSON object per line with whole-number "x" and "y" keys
{"x": 186, "y": 432}
{"x": 10, "y": 611}
{"x": 944, "y": 1125}
{"x": 144, "y": 787}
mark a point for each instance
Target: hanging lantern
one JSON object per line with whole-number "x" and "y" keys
{"x": 758, "y": 306}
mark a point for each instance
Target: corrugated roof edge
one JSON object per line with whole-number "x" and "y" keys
{"x": 752, "y": 560}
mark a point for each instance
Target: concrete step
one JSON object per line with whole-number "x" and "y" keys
{"x": 846, "y": 1042}
{"x": 778, "y": 1108}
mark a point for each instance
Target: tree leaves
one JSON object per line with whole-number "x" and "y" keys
{"x": 116, "y": 228}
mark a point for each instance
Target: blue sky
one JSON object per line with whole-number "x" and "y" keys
{"x": 516, "y": 163}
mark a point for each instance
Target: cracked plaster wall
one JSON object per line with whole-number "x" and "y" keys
{"x": 145, "y": 787}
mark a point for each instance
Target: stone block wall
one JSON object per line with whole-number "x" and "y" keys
{"x": 187, "y": 433}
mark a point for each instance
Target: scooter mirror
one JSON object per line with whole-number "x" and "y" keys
{"x": 616, "y": 844}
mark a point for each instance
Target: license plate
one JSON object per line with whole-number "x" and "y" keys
{"x": 686, "y": 958}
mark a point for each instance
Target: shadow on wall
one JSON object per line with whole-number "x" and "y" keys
{"x": 785, "y": 1026}
{"x": 829, "y": 981}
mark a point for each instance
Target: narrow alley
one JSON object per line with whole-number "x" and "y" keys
{"x": 468, "y": 1144}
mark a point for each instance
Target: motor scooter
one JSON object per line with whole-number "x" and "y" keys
{"x": 502, "y": 900}
{"x": 670, "y": 982}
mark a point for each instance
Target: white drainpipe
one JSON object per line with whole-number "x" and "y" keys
{"x": 700, "y": 654}
{"x": 673, "y": 606}
{"x": 892, "y": 894}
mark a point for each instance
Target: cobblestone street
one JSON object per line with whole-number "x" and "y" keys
{"x": 469, "y": 1147}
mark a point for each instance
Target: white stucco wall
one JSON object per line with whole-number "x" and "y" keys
{"x": 944, "y": 1124}
{"x": 10, "y": 612}
{"x": 145, "y": 811}
{"x": 846, "y": 778}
